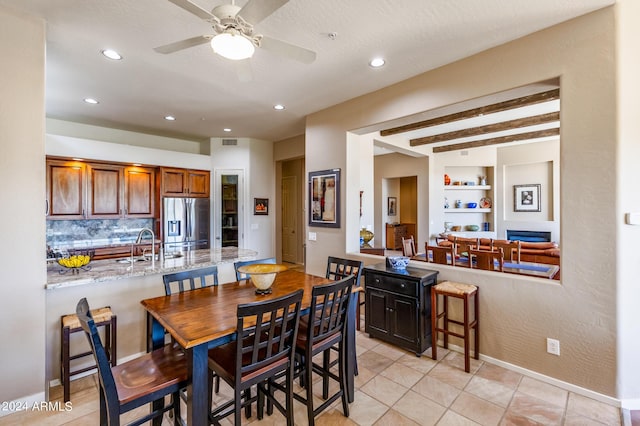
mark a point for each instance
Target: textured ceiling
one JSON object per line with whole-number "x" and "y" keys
{"x": 202, "y": 90}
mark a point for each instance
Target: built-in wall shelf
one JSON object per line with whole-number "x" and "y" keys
{"x": 467, "y": 187}
{"x": 463, "y": 210}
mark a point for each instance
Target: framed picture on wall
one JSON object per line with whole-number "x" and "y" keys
{"x": 260, "y": 206}
{"x": 324, "y": 198}
{"x": 526, "y": 198}
{"x": 392, "y": 206}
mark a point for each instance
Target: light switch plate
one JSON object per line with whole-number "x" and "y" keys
{"x": 633, "y": 218}
{"x": 312, "y": 236}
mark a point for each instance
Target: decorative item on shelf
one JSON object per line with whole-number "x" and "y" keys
{"x": 76, "y": 262}
{"x": 447, "y": 179}
{"x": 485, "y": 226}
{"x": 262, "y": 275}
{"x": 446, "y": 203}
{"x": 455, "y": 228}
{"x": 470, "y": 183}
{"x": 365, "y": 237}
{"x": 485, "y": 203}
{"x": 458, "y": 204}
{"x": 457, "y": 183}
{"x": 447, "y": 226}
{"x": 483, "y": 180}
{"x": 398, "y": 262}
{"x": 473, "y": 228}
{"x": 472, "y": 205}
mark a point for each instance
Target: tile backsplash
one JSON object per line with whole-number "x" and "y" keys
{"x": 62, "y": 234}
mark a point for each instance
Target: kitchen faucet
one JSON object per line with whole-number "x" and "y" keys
{"x": 153, "y": 243}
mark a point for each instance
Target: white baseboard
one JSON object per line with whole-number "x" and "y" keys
{"x": 550, "y": 380}
{"x": 21, "y": 404}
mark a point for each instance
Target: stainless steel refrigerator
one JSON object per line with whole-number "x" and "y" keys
{"x": 185, "y": 224}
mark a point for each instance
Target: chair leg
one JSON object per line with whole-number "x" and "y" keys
{"x": 64, "y": 363}
{"x": 476, "y": 334}
{"x": 113, "y": 352}
{"x": 326, "y": 356}
{"x": 308, "y": 379}
{"x": 467, "y": 362}
{"x": 289, "y": 397}
{"x": 445, "y": 307}
{"x": 177, "y": 419}
{"x": 343, "y": 380}
{"x": 434, "y": 325}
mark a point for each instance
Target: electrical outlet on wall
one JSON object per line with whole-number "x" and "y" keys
{"x": 553, "y": 346}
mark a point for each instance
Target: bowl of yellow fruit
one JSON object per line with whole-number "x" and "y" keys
{"x": 75, "y": 263}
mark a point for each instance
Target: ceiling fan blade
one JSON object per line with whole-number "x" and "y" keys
{"x": 243, "y": 70}
{"x": 256, "y": 10}
{"x": 288, "y": 50}
{"x": 183, "y": 44}
{"x": 194, "y": 8}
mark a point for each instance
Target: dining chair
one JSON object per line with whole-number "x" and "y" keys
{"x": 408, "y": 246}
{"x": 323, "y": 328}
{"x": 136, "y": 382}
{"x": 510, "y": 249}
{"x": 338, "y": 268}
{"x": 190, "y": 280}
{"x": 441, "y": 255}
{"x": 263, "y": 349}
{"x": 461, "y": 247}
{"x": 240, "y": 275}
{"x": 488, "y": 260}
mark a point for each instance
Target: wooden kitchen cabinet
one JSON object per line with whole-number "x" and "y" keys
{"x": 65, "y": 189}
{"x": 139, "y": 192}
{"x": 116, "y": 191}
{"x": 184, "y": 182}
{"x": 78, "y": 190}
{"x": 105, "y": 191}
{"x": 398, "y": 305}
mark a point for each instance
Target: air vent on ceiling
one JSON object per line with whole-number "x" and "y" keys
{"x": 229, "y": 142}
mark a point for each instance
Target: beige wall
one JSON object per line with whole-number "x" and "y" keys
{"x": 517, "y": 313}
{"x": 22, "y": 305}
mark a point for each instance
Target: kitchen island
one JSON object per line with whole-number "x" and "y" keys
{"x": 122, "y": 287}
{"x": 117, "y": 269}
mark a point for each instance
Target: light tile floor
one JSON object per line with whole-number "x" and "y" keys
{"x": 395, "y": 387}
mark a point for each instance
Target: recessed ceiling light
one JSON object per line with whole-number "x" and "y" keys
{"x": 137, "y": 164}
{"x": 169, "y": 118}
{"x": 91, "y": 101}
{"x": 278, "y": 107}
{"x": 376, "y": 62}
{"x": 112, "y": 54}
{"x": 227, "y": 129}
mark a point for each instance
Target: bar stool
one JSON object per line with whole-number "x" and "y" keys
{"x": 103, "y": 317}
{"x": 460, "y": 291}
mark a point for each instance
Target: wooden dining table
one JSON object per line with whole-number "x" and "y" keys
{"x": 204, "y": 318}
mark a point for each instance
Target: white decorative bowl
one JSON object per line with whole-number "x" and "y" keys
{"x": 398, "y": 262}
{"x": 262, "y": 275}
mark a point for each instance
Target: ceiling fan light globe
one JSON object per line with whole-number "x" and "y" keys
{"x": 232, "y": 46}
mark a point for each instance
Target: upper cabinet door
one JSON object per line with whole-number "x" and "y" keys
{"x": 174, "y": 182}
{"x": 105, "y": 186}
{"x": 198, "y": 183}
{"x": 184, "y": 183}
{"x": 139, "y": 184}
{"x": 65, "y": 189}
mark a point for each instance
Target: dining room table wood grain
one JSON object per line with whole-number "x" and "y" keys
{"x": 206, "y": 317}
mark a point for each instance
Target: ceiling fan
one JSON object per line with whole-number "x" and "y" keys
{"x": 233, "y": 36}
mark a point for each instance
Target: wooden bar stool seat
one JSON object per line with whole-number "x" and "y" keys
{"x": 103, "y": 317}
{"x": 460, "y": 291}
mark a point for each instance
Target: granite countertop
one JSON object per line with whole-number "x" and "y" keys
{"x": 111, "y": 269}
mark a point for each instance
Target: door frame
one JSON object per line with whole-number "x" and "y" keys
{"x": 217, "y": 205}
